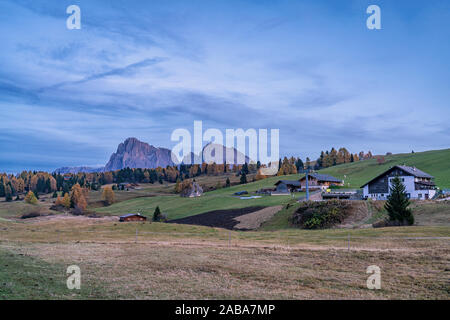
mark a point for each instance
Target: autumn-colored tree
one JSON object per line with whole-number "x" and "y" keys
{"x": 8, "y": 193}
{"x": 259, "y": 175}
{"x": 58, "y": 201}
{"x": 66, "y": 201}
{"x": 31, "y": 198}
{"x": 108, "y": 195}
{"x": 77, "y": 197}
{"x": 380, "y": 160}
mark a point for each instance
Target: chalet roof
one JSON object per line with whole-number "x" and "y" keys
{"x": 323, "y": 177}
{"x": 410, "y": 170}
{"x": 415, "y": 172}
{"x": 130, "y": 215}
{"x": 294, "y": 183}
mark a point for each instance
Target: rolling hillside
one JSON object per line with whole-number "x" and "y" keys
{"x": 436, "y": 163}
{"x": 177, "y": 207}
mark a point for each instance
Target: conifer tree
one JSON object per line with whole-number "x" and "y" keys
{"x": 157, "y": 214}
{"x": 66, "y": 201}
{"x": 398, "y": 202}
{"x": 31, "y": 198}
{"x": 243, "y": 178}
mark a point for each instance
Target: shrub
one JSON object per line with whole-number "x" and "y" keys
{"x": 30, "y": 215}
{"x": 320, "y": 215}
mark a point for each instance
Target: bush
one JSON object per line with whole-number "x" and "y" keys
{"x": 320, "y": 215}
{"x": 30, "y": 215}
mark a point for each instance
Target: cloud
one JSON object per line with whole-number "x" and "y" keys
{"x": 126, "y": 71}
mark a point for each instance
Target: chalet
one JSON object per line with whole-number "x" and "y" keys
{"x": 418, "y": 184}
{"x": 319, "y": 181}
{"x": 132, "y": 217}
{"x": 286, "y": 186}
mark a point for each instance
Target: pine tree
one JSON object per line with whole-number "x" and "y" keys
{"x": 398, "y": 202}
{"x": 157, "y": 214}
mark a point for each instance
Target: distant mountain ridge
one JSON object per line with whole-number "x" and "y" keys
{"x": 133, "y": 153}
{"x": 75, "y": 170}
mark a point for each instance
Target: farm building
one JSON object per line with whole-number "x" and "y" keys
{"x": 320, "y": 181}
{"x": 418, "y": 184}
{"x": 132, "y": 217}
{"x": 194, "y": 190}
{"x": 286, "y": 186}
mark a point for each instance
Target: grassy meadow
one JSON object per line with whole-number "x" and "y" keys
{"x": 165, "y": 261}
{"x": 147, "y": 260}
{"x": 436, "y": 163}
{"x": 178, "y": 207}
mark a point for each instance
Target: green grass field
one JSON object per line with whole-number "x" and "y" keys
{"x": 436, "y": 163}
{"x": 177, "y": 207}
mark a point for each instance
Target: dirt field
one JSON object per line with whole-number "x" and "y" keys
{"x": 219, "y": 218}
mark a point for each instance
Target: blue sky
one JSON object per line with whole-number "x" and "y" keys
{"x": 144, "y": 68}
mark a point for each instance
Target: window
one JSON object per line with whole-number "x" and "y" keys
{"x": 420, "y": 195}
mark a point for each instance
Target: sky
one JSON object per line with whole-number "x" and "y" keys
{"x": 311, "y": 69}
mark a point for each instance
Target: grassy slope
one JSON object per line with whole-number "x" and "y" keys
{"x": 26, "y": 277}
{"x": 178, "y": 207}
{"x": 436, "y": 163}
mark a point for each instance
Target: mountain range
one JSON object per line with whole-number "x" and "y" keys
{"x": 133, "y": 153}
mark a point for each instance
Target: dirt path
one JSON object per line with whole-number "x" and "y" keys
{"x": 255, "y": 219}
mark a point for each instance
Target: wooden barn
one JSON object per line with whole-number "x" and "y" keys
{"x": 320, "y": 181}
{"x": 286, "y": 187}
{"x": 132, "y": 217}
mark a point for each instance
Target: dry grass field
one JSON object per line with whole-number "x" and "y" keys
{"x": 169, "y": 261}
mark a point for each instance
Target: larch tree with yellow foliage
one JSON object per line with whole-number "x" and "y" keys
{"x": 77, "y": 198}
{"x": 66, "y": 201}
{"x": 108, "y": 195}
{"x": 31, "y": 198}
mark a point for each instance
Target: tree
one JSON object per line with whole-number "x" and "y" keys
{"x": 58, "y": 201}
{"x": 8, "y": 193}
{"x": 243, "y": 178}
{"x": 380, "y": 160}
{"x": 66, "y": 201}
{"x": 108, "y": 195}
{"x": 259, "y": 175}
{"x": 157, "y": 214}
{"x": 398, "y": 202}
{"x": 31, "y": 198}
{"x": 78, "y": 198}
